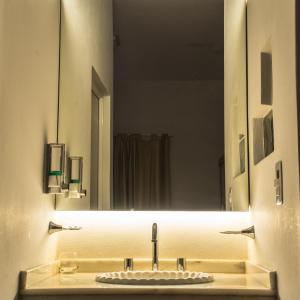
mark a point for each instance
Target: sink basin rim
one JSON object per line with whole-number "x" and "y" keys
{"x": 154, "y": 277}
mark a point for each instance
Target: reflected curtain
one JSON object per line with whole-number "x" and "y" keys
{"x": 141, "y": 172}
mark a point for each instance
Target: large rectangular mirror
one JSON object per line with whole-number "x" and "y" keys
{"x": 153, "y": 96}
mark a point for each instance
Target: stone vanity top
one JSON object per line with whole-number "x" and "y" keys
{"x": 231, "y": 278}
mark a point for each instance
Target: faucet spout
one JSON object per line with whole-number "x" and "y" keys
{"x": 154, "y": 248}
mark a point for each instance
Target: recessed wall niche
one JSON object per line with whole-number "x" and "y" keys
{"x": 263, "y": 135}
{"x": 266, "y": 78}
{"x": 263, "y": 131}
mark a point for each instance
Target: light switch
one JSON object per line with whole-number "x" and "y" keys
{"x": 278, "y": 183}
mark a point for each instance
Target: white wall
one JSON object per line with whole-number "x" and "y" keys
{"x": 191, "y": 112}
{"x": 28, "y": 115}
{"x": 271, "y": 25}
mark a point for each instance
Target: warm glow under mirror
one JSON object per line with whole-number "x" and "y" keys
{"x": 170, "y": 132}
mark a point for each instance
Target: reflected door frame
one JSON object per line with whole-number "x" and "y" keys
{"x": 100, "y": 171}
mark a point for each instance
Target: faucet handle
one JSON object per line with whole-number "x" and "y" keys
{"x": 181, "y": 264}
{"x": 128, "y": 264}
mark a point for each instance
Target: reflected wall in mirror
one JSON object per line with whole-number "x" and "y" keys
{"x": 297, "y": 6}
{"x": 236, "y": 106}
{"x": 85, "y": 92}
{"x": 177, "y": 138}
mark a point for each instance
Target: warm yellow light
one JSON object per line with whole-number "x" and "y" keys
{"x": 128, "y": 234}
{"x": 210, "y": 218}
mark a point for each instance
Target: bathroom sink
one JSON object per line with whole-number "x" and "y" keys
{"x": 154, "y": 277}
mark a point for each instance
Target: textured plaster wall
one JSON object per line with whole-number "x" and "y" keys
{"x": 28, "y": 115}
{"x": 28, "y": 99}
{"x": 271, "y": 25}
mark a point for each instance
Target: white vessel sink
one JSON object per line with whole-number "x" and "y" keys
{"x": 154, "y": 277}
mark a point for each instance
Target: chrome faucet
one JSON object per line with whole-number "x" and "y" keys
{"x": 154, "y": 247}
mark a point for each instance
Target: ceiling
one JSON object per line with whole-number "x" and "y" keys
{"x": 169, "y": 40}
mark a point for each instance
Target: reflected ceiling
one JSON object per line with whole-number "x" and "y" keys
{"x": 153, "y": 34}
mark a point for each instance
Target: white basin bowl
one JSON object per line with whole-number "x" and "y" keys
{"x": 154, "y": 277}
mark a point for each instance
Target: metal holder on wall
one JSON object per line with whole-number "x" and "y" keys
{"x": 75, "y": 167}
{"x": 56, "y": 182}
{"x": 249, "y": 232}
{"x": 53, "y": 227}
{"x": 55, "y": 169}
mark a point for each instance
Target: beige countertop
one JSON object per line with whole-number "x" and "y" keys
{"x": 238, "y": 278}
{"x": 84, "y": 283}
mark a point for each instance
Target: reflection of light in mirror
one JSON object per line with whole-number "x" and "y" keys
{"x": 128, "y": 234}
{"x": 209, "y": 219}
